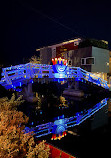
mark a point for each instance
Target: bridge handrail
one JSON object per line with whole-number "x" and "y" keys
{"x": 88, "y": 76}
{"x": 14, "y": 67}
{"x": 86, "y": 72}
{"x": 29, "y": 71}
{"x": 93, "y": 75}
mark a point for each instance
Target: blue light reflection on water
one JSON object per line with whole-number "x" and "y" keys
{"x": 72, "y": 121}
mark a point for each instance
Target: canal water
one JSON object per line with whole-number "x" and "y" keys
{"x": 89, "y": 139}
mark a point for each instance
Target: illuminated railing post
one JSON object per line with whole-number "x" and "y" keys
{"x": 79, "y": 73}
{"x": 40, "y": 72}
{"x": 8, "y": 80}
{"x": 99, "y": 81}
{"x": 89, "y": 79}
{"x": 29, "y": 71}
{"x": 50, "y": 72}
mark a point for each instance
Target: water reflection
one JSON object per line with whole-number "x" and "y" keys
{"x": 51, "y": 111}
{"x": 100, "y": 118}
{"x": 76, "y": 112}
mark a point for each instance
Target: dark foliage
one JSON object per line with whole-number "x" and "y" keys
{"x": 93, "y": 42}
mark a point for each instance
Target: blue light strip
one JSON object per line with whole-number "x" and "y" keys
{"x": 41, "y": 131}
{"x": 74, "y": 120}
{"x": 29, "y": 71}
{"x": 98, "y": 106}
{"x": 43, "y": 134}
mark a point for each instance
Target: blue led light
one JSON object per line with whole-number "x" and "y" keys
{"x": 29, "y": 71}
{"x": 32, "y": 123}
{"x": 62, "y": 124}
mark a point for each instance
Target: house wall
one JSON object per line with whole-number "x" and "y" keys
{"x": 101, "y": 60}
{"x": 45, "y": 55}
{"x": 110, "y": 63}
{"x": 76, "y": 55}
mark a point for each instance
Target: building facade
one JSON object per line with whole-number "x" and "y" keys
{"x": 110, "y": 63}
{"x": 45, "y": 55}
{"x": 92, "y": 59}
{"x": 57, "y": 50}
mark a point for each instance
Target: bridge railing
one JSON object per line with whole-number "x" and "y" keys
{"x": 42, "y": 70}
{"x": 77, "y": 72}
{"x": 95, "y": 79}
{"x": 30, "y": 70}
{"x": 13, "y": 72}
{"x": 26, "y": 71}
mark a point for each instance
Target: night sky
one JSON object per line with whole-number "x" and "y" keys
{"x": 28, "y": 24}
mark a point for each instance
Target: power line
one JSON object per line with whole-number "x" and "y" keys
{"x": 51, "y": 19}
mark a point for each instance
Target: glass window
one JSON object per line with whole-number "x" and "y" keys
{"x": 83, "y": 61}
{"x": 89, "y": 60}
{"x": 69, "y": 62}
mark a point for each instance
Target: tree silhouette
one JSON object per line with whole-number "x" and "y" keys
{"x": 35, "y": 60}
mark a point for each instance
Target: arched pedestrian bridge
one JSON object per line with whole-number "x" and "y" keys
{"x": 16, "y": 76}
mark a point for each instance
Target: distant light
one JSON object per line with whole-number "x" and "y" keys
{"x": 32, "y": 81}
{"x": 107, "y": 64}
{"x": 37, "y": 49}
{"x": 32, "y": 123}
